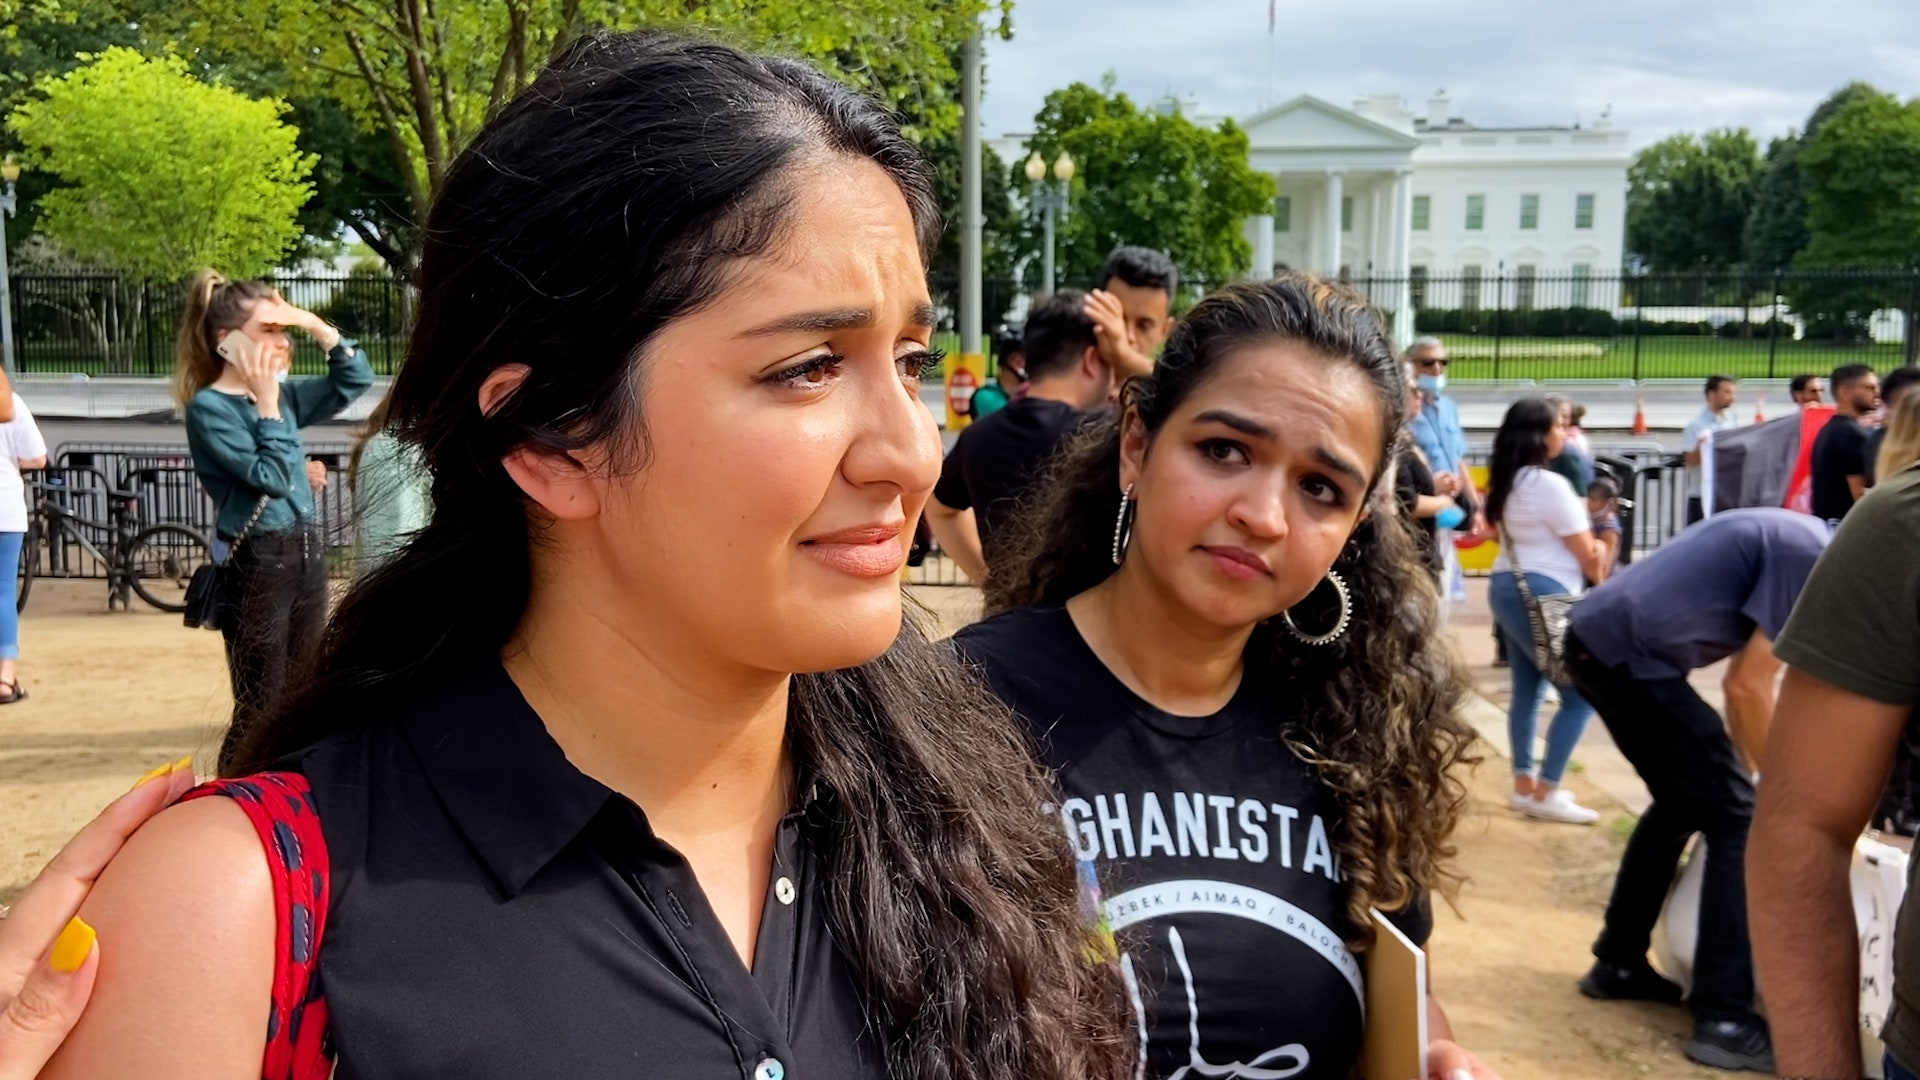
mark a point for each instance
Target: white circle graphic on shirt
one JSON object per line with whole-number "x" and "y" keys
{"x": 1193, "y": 896}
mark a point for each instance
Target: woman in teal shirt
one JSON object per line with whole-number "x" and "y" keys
{"x": 243, "y": 426}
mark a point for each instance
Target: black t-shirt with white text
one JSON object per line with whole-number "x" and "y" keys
{"x": 1839, "y": 451}
{"x": 1214, "y": 847}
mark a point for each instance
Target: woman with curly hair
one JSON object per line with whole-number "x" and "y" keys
{"x": 1224, "y": 646}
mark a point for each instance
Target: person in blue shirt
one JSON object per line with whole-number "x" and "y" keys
{"x": 1436, "y": 430}
{"x": 1721, "y": 590}
{"x": 243, "y": 428}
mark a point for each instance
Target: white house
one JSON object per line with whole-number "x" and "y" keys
{"x": 1430, "y": 205}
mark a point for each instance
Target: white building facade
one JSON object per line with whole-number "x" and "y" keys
{"x": 1437, "y": 212}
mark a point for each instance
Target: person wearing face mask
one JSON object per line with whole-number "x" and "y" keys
{"x": 243, "y": 427}
{"x": 1232, "y": 667}
{"x": 1437, "y": 431}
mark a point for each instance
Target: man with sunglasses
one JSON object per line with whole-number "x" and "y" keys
{"x": 1438, "y": 433}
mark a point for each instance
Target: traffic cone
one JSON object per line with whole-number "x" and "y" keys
{"x": 1760, "y": 409}
{"x": 1639, "y": 414}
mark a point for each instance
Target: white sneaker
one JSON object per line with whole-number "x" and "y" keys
{"x": 1518, "y": 802}
{"x": 1559, "y": 806}
{"x": 1553, "y": 695}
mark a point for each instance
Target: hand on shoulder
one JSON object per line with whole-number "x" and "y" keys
{"x": 185, "y": 920}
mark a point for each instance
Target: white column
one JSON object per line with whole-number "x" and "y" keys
{"x": 1377, "y": 252}
{"x": 1336, "y": 190}
{"x": 1260, "y": 233}
{"x": 1402, "y": 244}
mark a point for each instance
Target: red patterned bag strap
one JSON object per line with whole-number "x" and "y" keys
{"x": 280, "y": 805}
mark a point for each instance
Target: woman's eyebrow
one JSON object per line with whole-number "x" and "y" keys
{"x": 923, "y": 315}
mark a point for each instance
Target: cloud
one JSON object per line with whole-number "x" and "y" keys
{"x": 1663, "y": 66}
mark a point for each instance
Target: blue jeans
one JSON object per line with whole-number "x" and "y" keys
{"x": 1563, "y": 734}
{"x": 1896, "y": 1071}
{"x": 9, "y": 616}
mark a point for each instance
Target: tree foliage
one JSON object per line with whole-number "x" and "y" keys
{"x": 419, "y": 77}
{"x": 1153, "y": 179}
{"x": 163, "y": 173}
{"x": 1688, "y": 200}
{"x": 1777, "y": 226}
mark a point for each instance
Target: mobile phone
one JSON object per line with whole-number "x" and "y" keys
{"x": 227, "y": 349}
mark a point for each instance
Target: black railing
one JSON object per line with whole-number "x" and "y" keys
{"x": 1507, "y": 323}
{"x": 100, "y": 324}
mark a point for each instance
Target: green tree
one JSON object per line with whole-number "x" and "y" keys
{"x": 421, "y": 77}
{"x": 1777, "y": 226}
{"x": 165, "y": 173}
{"x": 1149, "y": 178}
{"x": 160, "y": 174}
{"x": 1688, "y": 199}
{"x": 1002, "y": 227}
{"x": 1862, "y": 172}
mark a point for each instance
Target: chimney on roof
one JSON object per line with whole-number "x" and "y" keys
{"x": 1437, "y": 108}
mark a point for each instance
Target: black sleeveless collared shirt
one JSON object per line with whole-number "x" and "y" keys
{"x": 497, "y": 913}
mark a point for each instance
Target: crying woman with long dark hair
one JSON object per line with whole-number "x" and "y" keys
{"x": 630, "y": 763}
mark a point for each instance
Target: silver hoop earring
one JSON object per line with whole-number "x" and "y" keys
{"x": 1123, "y": 526}
{"x": 1339, "y": 627}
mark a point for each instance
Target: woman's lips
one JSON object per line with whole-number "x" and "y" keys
{"x": 864, "y": 551}
{"x": 1238, "y": 563}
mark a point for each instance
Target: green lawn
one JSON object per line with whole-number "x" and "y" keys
{"x": 1659, "y": 358}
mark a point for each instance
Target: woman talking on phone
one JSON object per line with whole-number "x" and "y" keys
{"x": 243, "y": 425}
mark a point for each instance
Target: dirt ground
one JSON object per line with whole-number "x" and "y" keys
{"x": 115, "y": 694}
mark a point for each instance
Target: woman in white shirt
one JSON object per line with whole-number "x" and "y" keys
{"x": 1545, "y": 527}
{"x": 21, "y": 448}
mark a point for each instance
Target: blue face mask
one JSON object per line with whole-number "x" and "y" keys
{"x": 1433, "y": 384}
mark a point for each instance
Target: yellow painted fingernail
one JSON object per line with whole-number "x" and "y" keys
{"x": 70, "y": 949}
{"x": 156, "y": 773}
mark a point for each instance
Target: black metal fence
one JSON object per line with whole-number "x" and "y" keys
{"x": 100, "y": 324}
{"x": 161, "y": 475}
{"x": 1511, "y": 322}
{"x": 1508, "y": 322}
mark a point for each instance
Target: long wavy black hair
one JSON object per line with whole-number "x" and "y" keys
{"x": 1521, "y": 442}
{"x": 617, "y": 194}
{"x": 1378, "y": 711}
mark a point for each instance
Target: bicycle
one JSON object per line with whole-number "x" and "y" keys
{"x": 153, "y": 561}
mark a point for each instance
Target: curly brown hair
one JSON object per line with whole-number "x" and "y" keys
{"x": 1378, "y": 710}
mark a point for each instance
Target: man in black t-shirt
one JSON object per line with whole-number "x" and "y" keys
{"x": 998, "y": 458}
{"x": 1840, "y": 466}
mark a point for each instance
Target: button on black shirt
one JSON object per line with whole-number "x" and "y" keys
{"x": 498, "y": 913}
{"x": 998, "y": 458}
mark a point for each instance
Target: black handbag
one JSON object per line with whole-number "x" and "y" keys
{"x": 206, "y": 597}
{"x": 1547, "y": 618}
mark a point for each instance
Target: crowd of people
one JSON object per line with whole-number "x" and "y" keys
{"x": 687, "y": 782}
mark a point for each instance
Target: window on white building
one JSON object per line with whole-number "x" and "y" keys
{"x": 1470, "y": 287}
{"x": 1583, "y": 212}
{"x": 1417, "y": 286}
{"x": 1476, "y": 212}
{"x": 1346, "y": 213}
{"x": 1582, "y": 284}
{"x": 1523, "y": 280}
{"x": 1283, "y": 214}
{"x": 1529, "y": 211}
{"x": 1422, "y": 212}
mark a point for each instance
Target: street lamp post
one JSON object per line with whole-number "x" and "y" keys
{"x": 9, "y": 172}
{"x": 1051, "y": 198}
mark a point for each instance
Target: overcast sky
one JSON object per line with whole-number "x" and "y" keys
{"x": 1664, "y": 65}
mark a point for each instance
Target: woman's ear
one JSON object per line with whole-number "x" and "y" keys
{"x": 1133, "y": 447}
{"x": 559, "y": 483}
